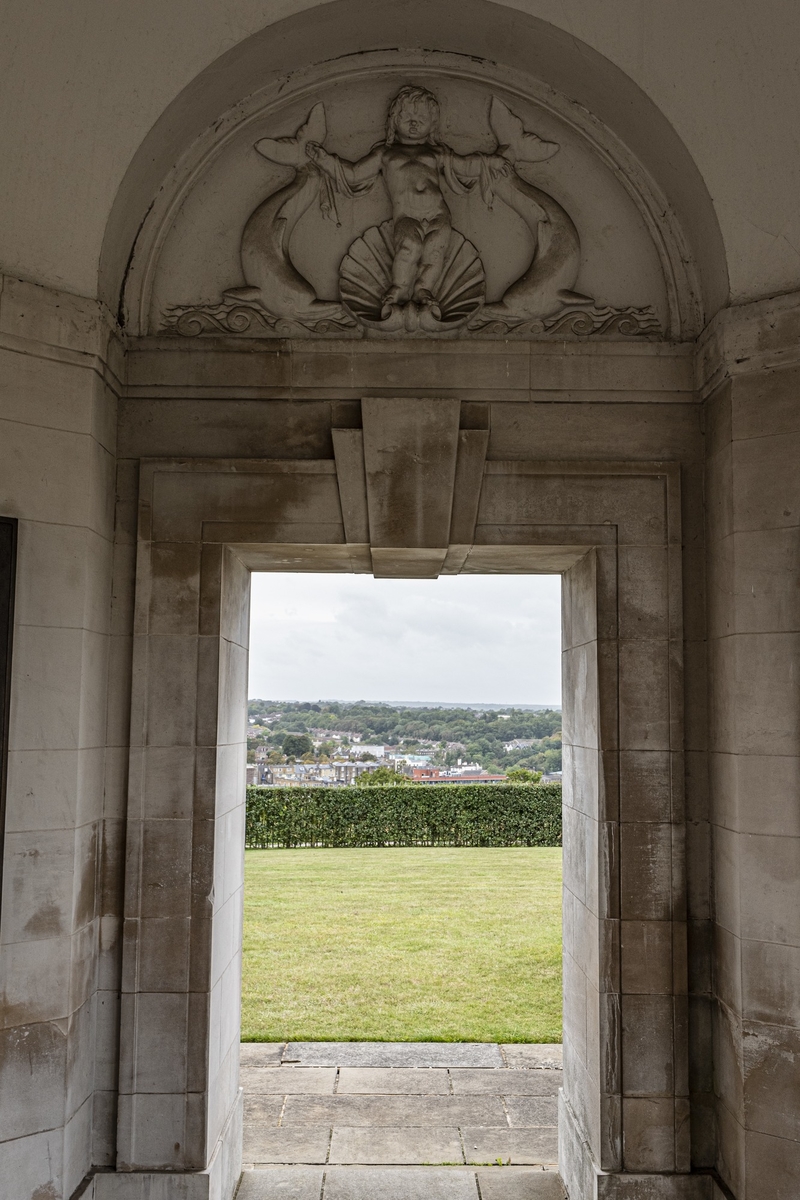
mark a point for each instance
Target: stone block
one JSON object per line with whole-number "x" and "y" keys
{"x": 410, "y": 450}
{"x": 531, "y": 1055}
{"x": 166, "y": 865}
{"x": 646, "y": 956}
{"x": 297, "y": 1183}
{"x": 772, "y": 1166}
{"x": 771, "y": 1089}
{"x": 294, "y": 1081}
{"x": 648, "y": 1134}
{"x": 527, "y": 1112}
{"x": 517, "y": 1147}
{"x": 388, "y": 1081}
{"x": 520, "y": 1185}
{"x": 644, "y": 714}
{"x": 261, "y": 1054}
{"x": 767, "y": 492}
{"x": 647, "y": 1045}
{"x": 536, "y": 1080}
{"x": 304, "y": 1144}
{"x": 394, "y": 1110}
{"x": 768, "y": 881}
{"x": 646, "y": 871}
{"x": 766, "y": 581}
{"x": 348, "y": 445}
{"x": 33, "y": 1164}
{"x": 770, "y": 987}
{"x": 645, "y": 786}
{"x": 759, "y": 793}
{"x": 393, "y": 1054}
{"x": 446, "y": 1183}
{"x": 643, "y": 593}
{"x": 385, "y": 1145}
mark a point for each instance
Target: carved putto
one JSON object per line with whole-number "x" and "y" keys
{"x": 414, "y": 274}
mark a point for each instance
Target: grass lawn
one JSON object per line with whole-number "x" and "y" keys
{"x": 402, "y": 945}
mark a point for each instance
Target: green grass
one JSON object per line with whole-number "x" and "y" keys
{"x": 425, "y": 944}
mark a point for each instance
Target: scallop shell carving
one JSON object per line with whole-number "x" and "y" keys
{"x": 365, "y": 275}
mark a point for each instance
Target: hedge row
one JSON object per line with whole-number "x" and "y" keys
{"x": 453, "y": 814}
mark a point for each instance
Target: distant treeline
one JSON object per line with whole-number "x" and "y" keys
{"x": 471, "y": 734}
{"x": 452, "y": 814}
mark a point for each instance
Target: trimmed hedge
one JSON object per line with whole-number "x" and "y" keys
{"x": 451, "y": 814}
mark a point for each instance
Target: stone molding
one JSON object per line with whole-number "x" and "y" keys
{"x": 748, "y": 339}
{"x": 63, "y": 328}
{"x": 203, "y": 521}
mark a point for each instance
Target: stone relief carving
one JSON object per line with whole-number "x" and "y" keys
{"x": 414, "y": 274}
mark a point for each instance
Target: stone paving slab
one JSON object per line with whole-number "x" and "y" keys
{"x": 395, "y": 1146}
{"x": 426, "y": 1183}
{"x": 467, "y": 1081}
{"x": 262, "y": 1110}
{"x": 279, "y": 1183}
{"x": 394, "y": 1054}
{"x": 533, "y": 1055}
{"x": 300, "y": 1144}
{"x": 391, "y": 1081}
{"x": 305, "y": 1183}
{"x": 527, "y": 1111}
{"x": 397, "y": 1110}
{"x": 287, "y": 1081}
{"x": 261, "y": 1054}
{"x": 520, "y": 1147}
{"x": 520, "y": 1185}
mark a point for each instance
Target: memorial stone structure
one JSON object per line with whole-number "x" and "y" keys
{"x": 407, "y": 288}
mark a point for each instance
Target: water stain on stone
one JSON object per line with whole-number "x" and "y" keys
{"x": 46, "y": 1192}
{"x": 45, "y": 922}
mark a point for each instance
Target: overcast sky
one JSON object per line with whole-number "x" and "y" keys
{"x": 492, "y": 639}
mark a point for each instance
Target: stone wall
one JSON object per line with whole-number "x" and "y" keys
{"x": 61, "y": 369}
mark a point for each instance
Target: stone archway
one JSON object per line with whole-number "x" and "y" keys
{"x": 614, "y": 529}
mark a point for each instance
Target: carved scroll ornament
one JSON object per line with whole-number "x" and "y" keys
{"x": 414, "y": 274}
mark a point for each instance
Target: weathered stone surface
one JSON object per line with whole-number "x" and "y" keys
{"x": 535, "y": 1081}
{"x": 342, "y": 1183}
{"x": 288, "y": 1080}
{"x": 395, "y": 1110}
{"x": 394, "y": 1081}
{"x": 520, "y": 1185}
{"x": 394, "y": 1054}
{"x": 542, "y": 1055}
{"x": 296, "y": 1145}
{"x": 515, "y": 1146}
{"x": 396, "y": 1145}
{"x": 295, "y": 1184}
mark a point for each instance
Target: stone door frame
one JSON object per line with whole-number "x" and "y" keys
{"x": 613, "y": 530}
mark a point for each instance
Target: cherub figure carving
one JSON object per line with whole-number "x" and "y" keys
{"x": 415, "y": 165}
{"x": 424, "y": 263}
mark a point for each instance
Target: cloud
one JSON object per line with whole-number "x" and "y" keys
{"x": 467, "y": 638}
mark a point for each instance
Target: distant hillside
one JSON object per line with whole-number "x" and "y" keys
{"x": 478, "y": 733}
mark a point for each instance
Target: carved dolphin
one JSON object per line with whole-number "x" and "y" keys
{"x": 273, "y": 281}
{"x": 546, "y": 286}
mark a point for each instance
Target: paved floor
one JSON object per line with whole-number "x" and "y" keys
{"x": 400, "y": 1121}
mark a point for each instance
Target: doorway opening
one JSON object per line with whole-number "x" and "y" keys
{"x": 394, "y": 968}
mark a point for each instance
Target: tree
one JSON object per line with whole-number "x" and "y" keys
{"x": 382, "y": 776}
{"x": 295, "y": 745}
{"x": 523, "y": 775}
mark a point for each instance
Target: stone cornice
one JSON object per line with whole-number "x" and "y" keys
{"x": 748, "y": 338}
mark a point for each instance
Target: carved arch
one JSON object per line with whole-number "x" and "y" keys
{"x": 657, "y": 196}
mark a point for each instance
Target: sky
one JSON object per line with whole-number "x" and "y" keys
{"x": 492, "y": 639}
